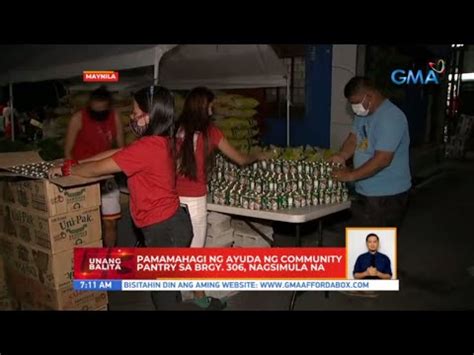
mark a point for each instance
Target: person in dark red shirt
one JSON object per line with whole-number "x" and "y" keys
{"x": 197, "y": 138}
{"x": 91, "y": 131}
{"x": 149, "y": 164}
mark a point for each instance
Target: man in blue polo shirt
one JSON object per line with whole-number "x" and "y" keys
{"x": 372, "y": 265}
{"x": 379, "y": 144}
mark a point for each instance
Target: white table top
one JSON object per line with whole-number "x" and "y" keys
{"x": 293, "y": 215}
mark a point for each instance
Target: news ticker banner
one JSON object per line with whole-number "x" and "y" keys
{"x": 272, "y": 269}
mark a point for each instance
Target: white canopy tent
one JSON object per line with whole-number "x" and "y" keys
{"x": 30, "y": 63}
{"x": 177, "y": 67}
{"x": 222, "y": 67}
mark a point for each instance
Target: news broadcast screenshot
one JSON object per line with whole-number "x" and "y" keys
{"x": 234, "y": 177}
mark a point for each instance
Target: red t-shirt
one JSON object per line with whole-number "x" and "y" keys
{"x": 95, "y": 136}
{"x": 197, "y": 188}
{"x": 151, "y": 179}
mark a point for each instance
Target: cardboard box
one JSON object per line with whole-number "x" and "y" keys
{"x": 55, "y": 234}
{"x": 240, "y": 226}
{"x": 8, "y": 304}
{"x": 217, "y": 223}
{"x": 249, "y": 240}
{"x": 32, "y": 295}
{"x": 48, "y": 198}
{"x": 224, "y": 240}
{"x": 51, "y": 270}
{"x": 51, "y": 197}
{"x": 2, "y": 268}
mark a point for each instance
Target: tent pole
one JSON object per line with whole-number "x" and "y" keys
{"x": 287, "y": 111}
{"x": 11, "y": 112}
{"x": 156, "y": 66}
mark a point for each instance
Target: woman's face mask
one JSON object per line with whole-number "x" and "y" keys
{"x": 210, "y": 109}
{"x": 359, "y": 108}
{"x": 139, "y": 124}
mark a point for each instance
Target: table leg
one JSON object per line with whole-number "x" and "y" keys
{"x": 298, "y": 236}
{"x": 320, "y": 232}
{"x": 295, "y": 294}
{"x": 320, "y": 244}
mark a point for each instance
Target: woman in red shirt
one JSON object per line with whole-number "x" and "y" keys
{"x": 149, "y": 164}
{"x": 197, "y": 138}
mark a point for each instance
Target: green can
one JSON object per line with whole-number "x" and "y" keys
{"x": 330, "y": 183}
{"x": 345, "y": 195}
{"x": 283, "y": 201}
{"x": 278, "y": 169}
{"x": 251, "y": 201}
{"x": 245, "y": 201}
{"x": 323, "y": 184}
{"x": 327, "y": 197}
{"x": 274, "y": 202}
{"x": 315, "y": 185}
{"x": 281, "y": 186}
{"x": 294, "y": 185}
{"x": 322, "y": 197}
{"x": 258, "y": 186}
{"x": 291, "y": 200}
{"x": 293, "y": 167}
{"x": 271, "y": 165}
{"x": 296, "y": 201}
{"x": 258, "y": 203}
{"x": 300, "y": 183}
{"x": 303, "y": 201}
{"x": 308, "y": 183}
{"x": 252, "y": 184}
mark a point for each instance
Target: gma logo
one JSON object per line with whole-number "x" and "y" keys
{"x": 401, "y": 77}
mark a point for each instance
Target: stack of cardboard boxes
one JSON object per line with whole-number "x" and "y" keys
{"x": 6, "y": 302}
{"x": 40, "y": 224}
{"x": 247, "y": 237}
{"x": 219, "y": 232}
{"x": 224, "y": 231}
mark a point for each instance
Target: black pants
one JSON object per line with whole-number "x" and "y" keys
{"x": 379, "y": 211}
{"x": 175, "y": 232}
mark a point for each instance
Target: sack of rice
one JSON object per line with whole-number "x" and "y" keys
{"x": 233, "y": 112}
{"x": 236, "y": 101}
{"x": 235, "y": 122}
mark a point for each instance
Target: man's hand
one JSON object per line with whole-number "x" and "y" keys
{"x": 372, "y": 271}
{"x": 337, "y": 159}
{"x": 343, "y": 175}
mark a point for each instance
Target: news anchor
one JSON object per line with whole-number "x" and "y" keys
{"x": 372, "y": 265}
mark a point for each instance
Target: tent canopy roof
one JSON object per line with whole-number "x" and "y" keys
{"x": 181, "y": 67}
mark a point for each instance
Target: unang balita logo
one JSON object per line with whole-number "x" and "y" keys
{"x": 100, "y": 76}
{"x": 412, "y": 77}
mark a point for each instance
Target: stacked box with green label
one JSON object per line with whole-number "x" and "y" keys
{"x": 40, "y": 224}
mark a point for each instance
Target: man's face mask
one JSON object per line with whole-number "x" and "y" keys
{"x": 99, "y": 115}
{"x": 138, "y": 124}
{"x": 359, "y": 108}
